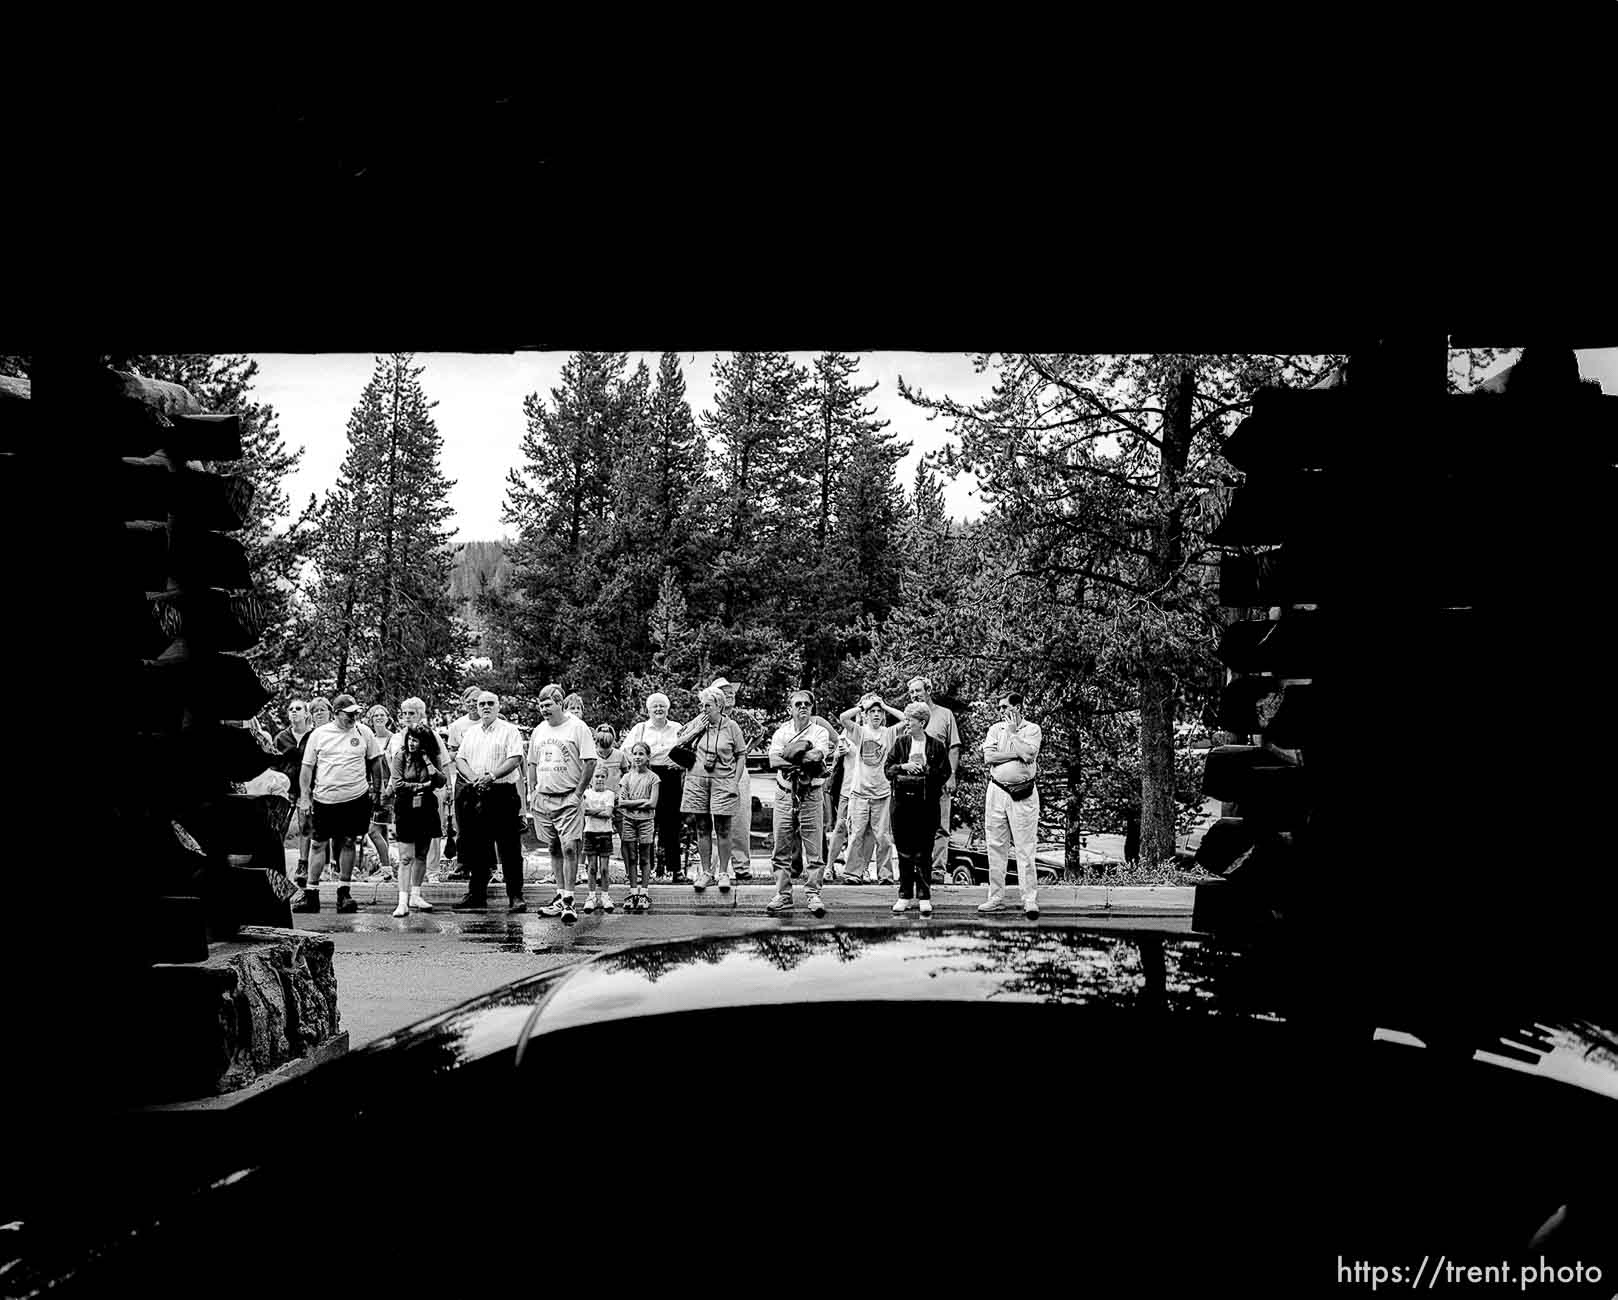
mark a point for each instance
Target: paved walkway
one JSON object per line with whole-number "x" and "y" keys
{"x": 956, "y": 901}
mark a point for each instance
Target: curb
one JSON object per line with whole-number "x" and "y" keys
{"x": 1138, "y": 900}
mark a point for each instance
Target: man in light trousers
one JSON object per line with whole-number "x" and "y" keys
{"x": 1011, "y": 751}
{"x": 798, "y": 753}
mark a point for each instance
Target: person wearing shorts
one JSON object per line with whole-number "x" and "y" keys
{"x": 637, "y": 805}
{"x": 658, "y": 733}
{"x": 335, "y": 790}
{"x": 712, "y": 786}
{"x": 561, "y": 765}
{"x": 600, "y": 813}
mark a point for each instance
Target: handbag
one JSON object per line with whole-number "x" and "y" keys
{"x": 684, "y": 756}
{"x": 1018, "y": 790}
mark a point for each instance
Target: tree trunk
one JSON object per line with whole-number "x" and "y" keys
{"x": 1156, "y": 765}
{"x": 1156, "y": 681}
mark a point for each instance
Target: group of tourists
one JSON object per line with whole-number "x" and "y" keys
{"x": 583, "y": 788}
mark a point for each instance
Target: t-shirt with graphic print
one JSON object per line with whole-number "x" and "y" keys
{"x": 558, "y": 755}
{"x": 339, "y": 761}
{"x": 863, "y": 772}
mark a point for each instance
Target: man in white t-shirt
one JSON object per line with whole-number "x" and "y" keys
{"x": 488, "y": 809}
{"x": 561, "y": 764}
{"x": 798, "y": 753}
{"x": 1011, "y": 749}
{"x": 340, "y": 761}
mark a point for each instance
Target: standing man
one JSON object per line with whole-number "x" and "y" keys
{"x": 741, "y": 841}
{"x": 1011, "y": 804}
{"x": 457, "y": 728}
{"x": 340, "y": 760}
{"x": 798, "y": 753}
{"x": 288, "y": 746}
{"x": 488, "y": 809}
{"x": 941, "y": 724}
{"x": 561, "y": 765}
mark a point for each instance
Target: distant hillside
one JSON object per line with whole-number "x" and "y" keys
{"x": 474, "y": 562}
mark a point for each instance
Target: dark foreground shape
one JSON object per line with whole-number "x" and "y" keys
{"x": 1109, "y": 1108}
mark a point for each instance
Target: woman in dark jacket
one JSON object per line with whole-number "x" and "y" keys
{"x": 917, "y": 766}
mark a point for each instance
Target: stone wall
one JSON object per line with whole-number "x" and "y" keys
{"x": 260, "y": 1001}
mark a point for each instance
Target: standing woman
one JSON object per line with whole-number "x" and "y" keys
{"x": 713, "y": 788}
{"x": 659, "y": 732}
{"x": 417, "y": 773}
{"x": 917, "y": 766}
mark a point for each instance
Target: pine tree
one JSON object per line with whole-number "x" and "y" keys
{"x": 560, "y": 502}
{"x": 765, "y": 481}
{"x": 1096, "y": 583}
{"x": 382, "y": 621}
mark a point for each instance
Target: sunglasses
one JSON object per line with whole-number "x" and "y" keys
{"x": 486, "y": 704}
{"x": 800, "y": 704}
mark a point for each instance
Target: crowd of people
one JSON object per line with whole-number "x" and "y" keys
{"x": 882, "y": 778}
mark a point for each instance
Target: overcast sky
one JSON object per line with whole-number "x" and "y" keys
{"x": 480, "y": 414}
{"x": 480, "y": 399}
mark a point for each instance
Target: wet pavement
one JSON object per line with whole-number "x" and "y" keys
{"x": 392, "y": 972}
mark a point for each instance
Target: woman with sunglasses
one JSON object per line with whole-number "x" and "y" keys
{"x": 659, "y": 732}
{"x": 713, "y": 786}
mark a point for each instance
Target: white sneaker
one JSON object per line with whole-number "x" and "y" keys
{"x": 418, "y": 902}
{"x": 780, "y": 903}
{"x": 404, "y": 907}
{"x": 589, "y": 902}
{"x": 901, "y": 905}
{"x": 925, "y": 907}
{"x": 1030, "y": 908}
{"x": 606, "y": 901}
{"x": 816, "y": 907}
{"x": 724, "y": 882}
{"x": 994, "y": 905}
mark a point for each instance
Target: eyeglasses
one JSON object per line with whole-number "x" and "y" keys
{"x": 800, "y": 704}
{"x": 486, "y": 704}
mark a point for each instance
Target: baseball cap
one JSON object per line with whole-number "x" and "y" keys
{"x": 720, "y": 684}
{"x": 869, "y": 698}
{"x": 345, "y": 703}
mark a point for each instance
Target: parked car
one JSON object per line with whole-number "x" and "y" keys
{"x": 1174, "y": 1105}
{"x": 968, "y": 864}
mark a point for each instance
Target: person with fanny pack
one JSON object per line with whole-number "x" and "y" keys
{"x": 1011, "y": 804}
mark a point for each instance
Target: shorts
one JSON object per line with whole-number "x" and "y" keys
{"x": 382, "y": 813}
{"x": 558, "y": 819}
{"x": 703, "y": 795}
{"x": 639, "y": 830}
{"x": 347, "y": 820}
{"x": 598, "y": 842}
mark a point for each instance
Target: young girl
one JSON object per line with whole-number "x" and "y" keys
{"x": 599, "y": 804}
{"x": 637, "y": 803}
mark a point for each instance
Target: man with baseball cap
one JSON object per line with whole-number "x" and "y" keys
{"x": 340, "y": 763}
{"x": 741, "y": 836}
